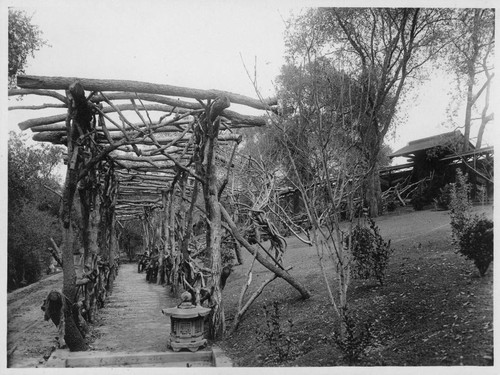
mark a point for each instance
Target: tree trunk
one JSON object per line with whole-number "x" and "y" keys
{"x": 217, "y": 326}
{"x": 81, "y": 119}
{"x": 145, "y": 236}
{"x": 171, "y": 240}
{"x": 471, "y": 78}
{"x": 206, "y": 134}
{"x": 94, "y": 228}
{"x": 237, "y": 251}
{"x": 210, "y": 190}
{"x": 113, "y": 248}
{"x": 485, "y": 117}
{"x": 373, "y": 191}
{"x": 72, "y": 335}
{"x": 85, "y": 210}
{"x": 182, "y": 213}
{"x": 90, "y": 218}
{"x": 164, "y": 237}
{"x": 189, "y": 222}
{"x": 468, "y": 110}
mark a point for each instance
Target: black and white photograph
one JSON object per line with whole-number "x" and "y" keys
{"x": 280, "y": 186}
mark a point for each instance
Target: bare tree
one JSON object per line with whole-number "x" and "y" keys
{"x": 470, "y": 55}
{"x": 316, "y": 148}
{"x": 381, "y": 49}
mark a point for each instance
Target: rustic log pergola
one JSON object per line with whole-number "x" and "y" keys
{"x": 134, "y": 148}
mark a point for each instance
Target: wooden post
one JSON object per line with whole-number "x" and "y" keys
{"x": 106, "y": 210}
{"x": 189, "y": 221}
{"x": 89, "y": 201}
{"x": 85, "y": 210}
{"x": 170, "y": 234}
{"x": 182, "y": 213}
{"x": 164, "y": 238}
{"x": 113, "y": 245}
{"x": 145, "y": 229}
{"x": 206, "y": 135}
{"x": 79, "y": 112}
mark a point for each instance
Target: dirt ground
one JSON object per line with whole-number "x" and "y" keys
{"x": 29, "y": 337}
{"x": 432, "y": 310}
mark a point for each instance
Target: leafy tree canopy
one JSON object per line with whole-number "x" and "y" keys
{"x": 33, "y": 209}
{"x": 29, "y": 168}
{"x": 24, "y": 39}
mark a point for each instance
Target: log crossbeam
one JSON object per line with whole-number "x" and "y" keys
{"x": 62, "y": 83}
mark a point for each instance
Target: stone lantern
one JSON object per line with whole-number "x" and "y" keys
{"x": 187, "y": 324}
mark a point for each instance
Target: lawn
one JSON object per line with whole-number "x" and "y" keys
{"x": 433, "y": 309}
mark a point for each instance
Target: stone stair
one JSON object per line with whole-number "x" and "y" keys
{"x": 62, "y": 358}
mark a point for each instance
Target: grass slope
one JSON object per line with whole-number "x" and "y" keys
{"x": 433, "y": 310}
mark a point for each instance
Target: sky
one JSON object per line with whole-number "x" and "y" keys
{"x": 202, "y": 45}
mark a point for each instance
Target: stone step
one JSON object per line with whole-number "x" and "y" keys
{"x": 63, "y": 358}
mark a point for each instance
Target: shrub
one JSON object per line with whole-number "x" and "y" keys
{"x": 460, "y": 204}
{"x": 276, "y": 334}
{"x": 476, "y": 243}
{"x": 472, "y": 234}
{"x": 418, "y": 201}
{"x": 370, "y": 252}
{"x": 391, "y": 206}
{"x": 444, "y": 198}
{"x": 356, "y": 339}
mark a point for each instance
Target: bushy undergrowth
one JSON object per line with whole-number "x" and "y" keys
{"x": 276, "y": 333}
{"x": 472, "y": 234}
{"x": 357, "y": 337}
{"x": 442, "y": 201}
{"x": 460, "y": 205}
{"x": 476, "y": 243}
{"x": 371, "y": 253}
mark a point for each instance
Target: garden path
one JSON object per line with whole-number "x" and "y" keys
{"x": 132, "y": 319}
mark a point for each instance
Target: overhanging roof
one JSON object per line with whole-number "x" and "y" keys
{"x": 444, "y": 139}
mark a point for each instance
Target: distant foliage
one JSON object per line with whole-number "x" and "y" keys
{"x": 130, "y": 238}
{"x": 29, "y": 233}
{"x": 371, "y": 253}
{"x": 32, "y": 210}
{"x": 472, "y": 234}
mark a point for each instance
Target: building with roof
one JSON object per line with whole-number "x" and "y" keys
{"x": 436, "y": 159}
{"x": 447, "y": 142}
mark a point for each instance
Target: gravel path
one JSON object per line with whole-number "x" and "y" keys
{"x": 132, "y": 318}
